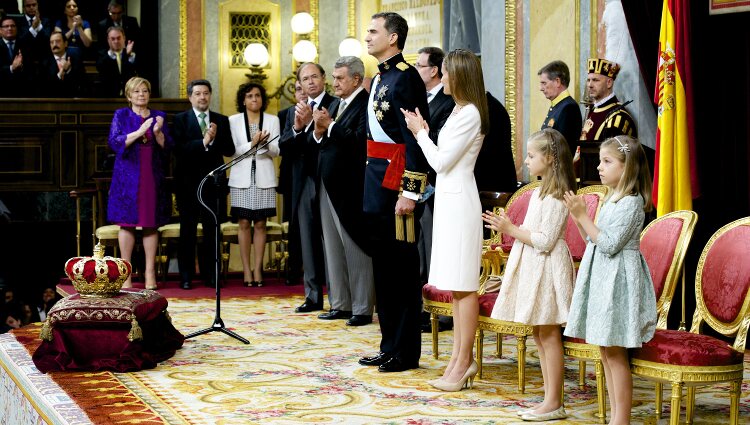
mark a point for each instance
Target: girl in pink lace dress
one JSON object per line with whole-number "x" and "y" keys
{"x": 538, "y": 280}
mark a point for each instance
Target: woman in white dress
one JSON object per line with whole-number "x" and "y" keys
{"x": 252, "y": 182}
{"x": 457, "y": 240}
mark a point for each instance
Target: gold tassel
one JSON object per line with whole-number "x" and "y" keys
{"x": 135, "y": 334}
{"x": 46, "y": 333}
{"x": 399, "y": 228}
{"x": 410, "y": 237}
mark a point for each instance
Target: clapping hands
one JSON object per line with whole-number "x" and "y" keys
{"x": 497, "y": 222}
{"x": 575, "y": 204}
{"x": 414, "y": 121}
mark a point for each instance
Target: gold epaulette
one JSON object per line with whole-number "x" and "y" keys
{"x": 412, "y": 181}
{"x": 402, "y": 66}
{"x": 621, "y": 120}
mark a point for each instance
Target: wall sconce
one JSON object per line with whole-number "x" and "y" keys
{"x": 256, "y": 55}
{"x": 304, "y": 50}
{"x": 350, "y": 46}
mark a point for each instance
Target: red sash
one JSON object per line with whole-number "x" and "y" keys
{"x": 396, "y": 154}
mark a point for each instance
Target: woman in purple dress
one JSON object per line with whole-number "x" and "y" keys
{"x": 138, "y": 197}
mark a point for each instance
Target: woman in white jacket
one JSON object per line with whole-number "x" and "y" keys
{"x": 252, "y": 182}
{"x": 457, "y": 228}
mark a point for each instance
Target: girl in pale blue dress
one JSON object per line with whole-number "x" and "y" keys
{"x": 614, "y": 305}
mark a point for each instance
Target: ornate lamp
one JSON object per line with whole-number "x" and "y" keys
{"x": 350, "y": 46}
{"x": 256, "y": 55}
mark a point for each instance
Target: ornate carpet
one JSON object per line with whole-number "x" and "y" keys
{"x": 299, "y": 369}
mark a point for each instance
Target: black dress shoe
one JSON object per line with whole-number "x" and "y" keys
{"x": 359, "y": 320}
{"x": 308, "y": 306}
{"x": 335, "y": 314}
{"x": 395, "y": 364}
{"x": 186, "y": 285}
{"x": 375, "y": 360}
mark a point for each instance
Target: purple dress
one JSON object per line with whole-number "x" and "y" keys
{"x": 138, "y": 196}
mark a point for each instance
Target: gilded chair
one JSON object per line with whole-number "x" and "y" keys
{"x": 275, "y": 244}
{"x": 692, "y": 359}
{"x": 440, "y": 303}
{"x": 664, "y": 243}
{"x": 593, "y": 196}
{"x": 106, "y": 234}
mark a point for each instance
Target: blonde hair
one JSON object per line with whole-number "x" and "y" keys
{"x": 559, "y": 176}
{"x": 133, "y": 83}
{"x": 636, "y": 175}
{"x": 467, "y": 84}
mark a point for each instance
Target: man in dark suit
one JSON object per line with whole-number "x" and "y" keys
{"x": 294, "y": 260}
{"x": 429, "y": 64}
{"x": 343, "y": 151}
{"x": 305, "y": 208}
{"x": 395, "y": 179}
{"x": 15, "y": 69}
{"x": 116, "y": 65}
{"x": 201, "y": 138}
{"x": 118, "y": 18}
{"x": 563, "y": 115}
{"x": 35, "y": 29}
{"x": 63, "y": 69}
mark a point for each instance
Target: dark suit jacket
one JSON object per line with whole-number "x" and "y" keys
{"x": 129, "y": 24}
{"x": 440, "y": 109}
{"x": 495, "y": 169}
{"x": 193, "y": 160}
{"x": 39, "y": 44}
{"x": 111, "y": 80}
{"x": 302, "y": 151}
{"x": 72, "y": 84}
{"x": 342, "y": 166}
{"x": 17, "y": 83}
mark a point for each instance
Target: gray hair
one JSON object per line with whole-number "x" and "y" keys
{"x": 354, "y": 64}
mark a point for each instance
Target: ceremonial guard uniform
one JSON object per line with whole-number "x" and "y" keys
{"x": 395, "y": 166}
{"x": 564, "y": 115}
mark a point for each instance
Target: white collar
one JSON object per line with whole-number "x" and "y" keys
{"x": 196, "y": 112}
{"x": 318, "y": 99}
{"x": 354, "y": 94}
{"x": 601, "y": 102}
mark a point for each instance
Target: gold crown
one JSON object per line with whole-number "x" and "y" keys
{"x": 604, "y": 67}
{"x": 97, "y": 276}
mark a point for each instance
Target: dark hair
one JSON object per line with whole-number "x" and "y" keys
{"x": 556, "y": 69}
{"x": 320, "y": 68}
{"x": 121, "y": 30}
{"x": 114, "y": 3}
{"x": 198, "y": 83}
{"x": 62, "y": 34}
{"x": 435, "y": 58}
{"x": 245, "y": 89}
{"x": 395, "y": 23}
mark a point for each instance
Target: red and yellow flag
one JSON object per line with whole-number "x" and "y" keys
{"x": 675, "y": 176}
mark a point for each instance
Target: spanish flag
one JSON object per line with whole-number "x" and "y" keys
{"x": 675, "y": 177}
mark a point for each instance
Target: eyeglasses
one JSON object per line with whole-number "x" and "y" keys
{"x": 8, "y": 26}
{"x": 420, "y": 66}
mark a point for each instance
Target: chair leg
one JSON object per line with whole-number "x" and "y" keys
{"x": 499, "y": 346}
{"x": 659, "y": 397}
{"x": 480, "y": 350}
{"x": 581, "y": 374}
{"x": 734, "y": 405}
{"x": 690, "y": 405}
{"x": 163, "y": 259}
{"x": 521, "y": 343}
{"x": 601, "y": 396}
{"x": 435, "y": 326}
{"x": 674, "y": 417}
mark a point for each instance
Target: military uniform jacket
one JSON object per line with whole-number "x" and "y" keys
{"x": 565, "y": 116}
{"x": 398, "y": 85}
{"x": 609, "y": 120}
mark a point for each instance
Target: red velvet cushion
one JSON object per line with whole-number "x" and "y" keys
{"x": 576, "y": 244}
{"x": 486, "y": 303}
{"x": 726, "y": 274}
{"x": 430, "y": 292}
{"x": 686, "y": 349}
{"x": 572, "y": 339}
{"x": 658, "y": 246}
{"x": 516, "y": 213}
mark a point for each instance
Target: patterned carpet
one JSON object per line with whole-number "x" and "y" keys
{"x": 299, "y": 369}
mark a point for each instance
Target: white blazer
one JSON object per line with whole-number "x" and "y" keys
{"x": 265, "y": 172}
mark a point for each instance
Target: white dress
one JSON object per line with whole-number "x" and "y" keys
{"x": 538, "y": 281}
{"x": 457, "y": 218}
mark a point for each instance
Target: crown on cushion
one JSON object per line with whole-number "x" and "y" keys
{"x": 604, "y": 67}
{"x": 97, "y": 276}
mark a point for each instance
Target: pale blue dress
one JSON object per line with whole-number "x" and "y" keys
{"x": 613, "y": 300}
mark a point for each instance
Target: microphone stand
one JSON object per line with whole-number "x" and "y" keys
{"x": 218, "y": 325}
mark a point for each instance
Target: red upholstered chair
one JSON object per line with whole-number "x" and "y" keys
{"x": 516, "y": 209}
{"x": 664, "y": 243}
{"x": 593, "y": 196}
{"x": 691, "y": 359}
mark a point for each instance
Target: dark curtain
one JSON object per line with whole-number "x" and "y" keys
{"x": 720, "y": 49}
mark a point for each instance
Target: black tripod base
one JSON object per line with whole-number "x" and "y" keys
{"x": 218, "y": 326}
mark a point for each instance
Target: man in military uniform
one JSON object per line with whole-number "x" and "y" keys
{"x": 606, "y": 117}
{"x": 395, "y": 179}
{"x": 563, "y": 115}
